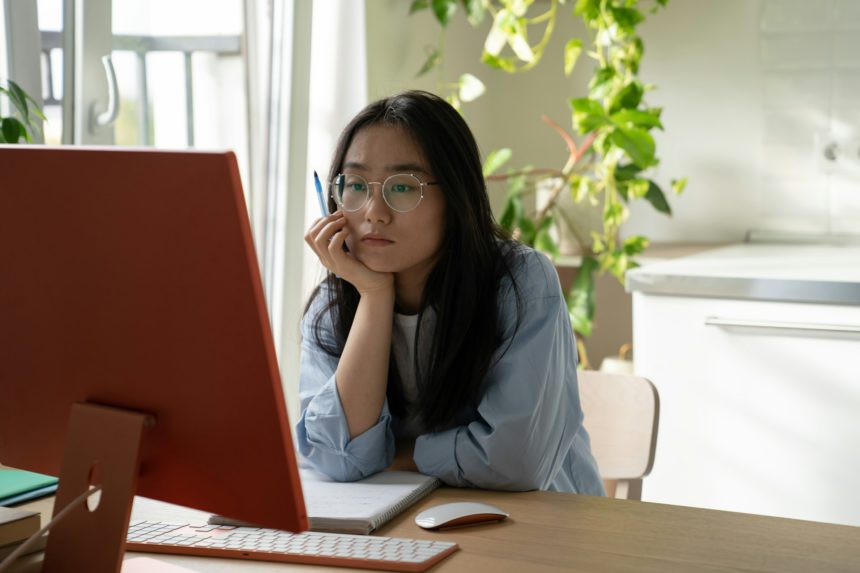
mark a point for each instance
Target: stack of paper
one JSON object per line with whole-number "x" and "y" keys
{"x": 16, "y": 525}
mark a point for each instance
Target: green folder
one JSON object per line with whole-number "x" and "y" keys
{"x": 19, "y": 485}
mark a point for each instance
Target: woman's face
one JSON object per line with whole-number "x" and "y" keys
{"x": 386, "y": 240}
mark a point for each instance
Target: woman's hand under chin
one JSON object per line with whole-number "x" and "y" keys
{"x": 326, "y": 237}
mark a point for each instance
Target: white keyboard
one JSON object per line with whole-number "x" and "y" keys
{"x": 334, "y": 549}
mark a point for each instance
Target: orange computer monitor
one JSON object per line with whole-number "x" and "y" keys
{"x": 129, "y": 280}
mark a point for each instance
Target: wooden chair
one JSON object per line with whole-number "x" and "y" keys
{"x": 621, "y": 416}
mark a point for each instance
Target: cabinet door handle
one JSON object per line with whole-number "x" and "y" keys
{"x": 814, "y": 326}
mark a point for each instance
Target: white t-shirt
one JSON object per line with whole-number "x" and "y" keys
{"x": 403, "y": 346}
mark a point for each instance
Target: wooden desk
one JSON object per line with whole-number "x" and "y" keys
{"x": 563, "y": 532}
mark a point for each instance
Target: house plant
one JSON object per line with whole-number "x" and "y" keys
{"x": 609, "y": 166}
{"x": 14, "y": 129}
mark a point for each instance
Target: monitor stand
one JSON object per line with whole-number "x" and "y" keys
{"x": 102, "y": 448}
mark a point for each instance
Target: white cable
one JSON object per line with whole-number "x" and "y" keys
{"x": 23, "y": 547}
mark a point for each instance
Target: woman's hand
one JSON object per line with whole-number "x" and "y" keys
{"x": 326, "y": 237}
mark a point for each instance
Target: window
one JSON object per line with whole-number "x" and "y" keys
{"x": 180, "y": 77}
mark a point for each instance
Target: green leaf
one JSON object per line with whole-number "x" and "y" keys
{"x": 572, "y": 50}
{"x": 516, "y": 39}
{"x": 471, "y": 88}
{"x": 627, "y": 171}
{"x": 638, "y": 188}
{"x": 678, "y": 185}
{"x": 617, "y": 262}
{"x": 588, "y": 9}
{"x": 601, "y": 144}
{"x": 586, "y": 106}
{"x": 614, "y": 213}
{"x": 500, "y": 63}
{"x": 474, "y": 11}
{"x": 601, "y": 82}
{"x": 637, "y": 144}
{"x": 634, "y": 245}
{"x": 431, "y": 62}
{"x": 628, "y": 97}
{"x": 544, "y": 241}
{"x": 633, "y": 54}
{"x": 496, "y": 159}
{"x": 588, "y": 114}
{"x": 597, "y": 242}
{"x": 39, "y": 114}
{"x": 444, "y": 10}
{"x": 626, "y": 18}
{"x": 657, "y": 198}
{"x": 418, "y": 5}
{"x": 19, "y": 99}
{"x": 527, "y": 230}
{"x": 13, "y": 130}
{"x": 636, "y": 118}
{"x": 512, "y": 212}
{"x": 517, "y": 183}
{"x": 454, "y": 101}
{"x": 580, "y": 298}
{"x": 518, "y": 7}
{"x": 498, "y": 34}
{"x": 584, "y": 188}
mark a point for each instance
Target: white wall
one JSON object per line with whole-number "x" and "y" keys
{"x": 740, "y": 106}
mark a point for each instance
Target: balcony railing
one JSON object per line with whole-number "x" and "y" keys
{"x": 140, "y": 46}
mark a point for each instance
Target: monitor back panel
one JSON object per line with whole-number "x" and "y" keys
{"x": 129, "y": 279}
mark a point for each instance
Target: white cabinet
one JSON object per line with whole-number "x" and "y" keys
{"x": 756, "y": 419}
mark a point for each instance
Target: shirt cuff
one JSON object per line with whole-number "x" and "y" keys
{"x": 436, "y": 455}
{"x": 323, "y": 437}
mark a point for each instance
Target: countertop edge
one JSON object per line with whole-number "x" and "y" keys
{"x": 784, "y": 290}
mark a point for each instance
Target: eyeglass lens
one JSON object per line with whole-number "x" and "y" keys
{"x": 401, "y": 192}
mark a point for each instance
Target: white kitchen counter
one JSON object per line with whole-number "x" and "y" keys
{"x": 753, "y": 351}
{"x": 780, "y": 272}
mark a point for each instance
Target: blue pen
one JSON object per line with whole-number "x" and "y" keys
{"x": 318, "y": 185}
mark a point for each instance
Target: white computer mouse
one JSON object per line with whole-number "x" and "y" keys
{"x": 459, "y": 514}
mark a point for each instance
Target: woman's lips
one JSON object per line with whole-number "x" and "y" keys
{"x": 376, "y": 241}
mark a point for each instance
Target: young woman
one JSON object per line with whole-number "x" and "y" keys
{"x": 434, "y": 343}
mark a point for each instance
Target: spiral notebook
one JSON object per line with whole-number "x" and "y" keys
{"x": 358, "y": 507}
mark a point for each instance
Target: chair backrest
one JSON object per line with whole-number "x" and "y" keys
{"x": 621, "y": 416}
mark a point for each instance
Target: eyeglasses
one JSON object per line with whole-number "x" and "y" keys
{"x": 402, "y": 192}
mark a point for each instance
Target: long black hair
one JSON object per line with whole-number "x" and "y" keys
{"x": 464, "y": 287}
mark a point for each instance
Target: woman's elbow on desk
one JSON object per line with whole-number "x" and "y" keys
{"x": 355, "y": 460}
{"x": 459, "y": 459}
{"x": 341, "y": 466}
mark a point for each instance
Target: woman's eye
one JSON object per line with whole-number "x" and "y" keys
{"x": 400, "y": 188}
{"x": 357, "y": 187}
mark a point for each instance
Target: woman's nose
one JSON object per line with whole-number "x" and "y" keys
{"x": 377, "y": 209}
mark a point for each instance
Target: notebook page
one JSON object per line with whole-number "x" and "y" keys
{"x": 357, "y": 507}
{"x": 370, "y": 502}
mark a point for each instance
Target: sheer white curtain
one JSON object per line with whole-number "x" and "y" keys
{"x": 307, "y": 77}
{"x": 19, "y": 50}
{"x": 338, "y": 87}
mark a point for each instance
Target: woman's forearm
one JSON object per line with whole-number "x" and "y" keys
{"x": 362, "y": 373}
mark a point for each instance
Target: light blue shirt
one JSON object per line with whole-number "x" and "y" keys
{"x": 526, "y": 432}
